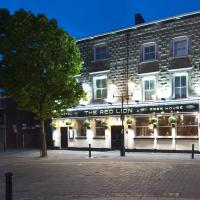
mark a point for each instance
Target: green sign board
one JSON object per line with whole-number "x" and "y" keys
{"x": 147, "y": 109}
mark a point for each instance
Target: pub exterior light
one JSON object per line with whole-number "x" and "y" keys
{"x": 131, "y": 86}
{"x": 113, "y": 87}
{"x": 87, "y": 90}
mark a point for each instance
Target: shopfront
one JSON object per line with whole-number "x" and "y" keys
{"x": 147, "y": 127}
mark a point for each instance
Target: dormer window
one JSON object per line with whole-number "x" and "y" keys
{"x": 100, "y": 52}
{"x": 180, "y": 46}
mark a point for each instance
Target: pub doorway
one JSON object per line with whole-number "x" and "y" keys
{"x": 115, "y": 137}
{"x": 64, "y": 137}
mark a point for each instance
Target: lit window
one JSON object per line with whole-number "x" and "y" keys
{"x": 81, "y": 130}
{"x": 180, "y": 47}
{"x": 100, "y": 129}
{"x": 180, "y": 86}
{"x": 100, "y": 52}
{"x": 143, "y": 128}
{"x": 149, "y": 52}
{"x": 100, "y": 87}
{"x": 149, "y": 89}
{"x": 187, "y": 125}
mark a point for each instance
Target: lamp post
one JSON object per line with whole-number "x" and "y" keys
{"x": 122, "y": 147}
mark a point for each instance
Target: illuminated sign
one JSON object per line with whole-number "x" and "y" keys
{"x": 134, "y": 110}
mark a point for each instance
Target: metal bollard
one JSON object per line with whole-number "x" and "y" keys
{"x": 8, "y": 176}
{"x": 89, "y": 150}
{"x": 192, "y": 156}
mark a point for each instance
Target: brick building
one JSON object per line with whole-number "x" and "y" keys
{"x": 152, "y": 71}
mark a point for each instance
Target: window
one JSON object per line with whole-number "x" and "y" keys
{"x": 100, "y": 87}
{"x": 143, "y": 128}
{"x": 100, "y": 52}
{"x": 149, "y": 52}
{"x": 81, "y": 130}
{"x": 149, "y": 89}
{"x": 164, "y": 128}
{"x": 100, "y": 129}
{"x": 180, "y": 46}
{"x": 187, "y": 125}
{"x": 180, "y": 86}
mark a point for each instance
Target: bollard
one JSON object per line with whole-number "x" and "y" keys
{"x": 192, "y": 151}
{"x": 89, "y": 150}
{"x": 8, "y": 176}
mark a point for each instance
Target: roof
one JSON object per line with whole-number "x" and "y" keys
{"x": 141, "y": 25}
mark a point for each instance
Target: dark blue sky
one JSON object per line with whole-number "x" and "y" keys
{"x": 82, "y": 18}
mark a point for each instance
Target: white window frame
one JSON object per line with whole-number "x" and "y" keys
{"x": 177, "y": 39}
{"x": 94, "y": 85}
{"x": 148, "y": 45}
{"x": 148, "y": 78}
{"x": 180, "y": 74}
{"x": 97, "y": 46}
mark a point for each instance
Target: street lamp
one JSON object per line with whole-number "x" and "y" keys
{"x": 122, "y": 147}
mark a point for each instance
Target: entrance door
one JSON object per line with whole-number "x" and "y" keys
{"x": 115, "y": 136}
{"x": 64, "y": 137}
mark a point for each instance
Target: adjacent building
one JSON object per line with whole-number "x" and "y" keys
{"x": 146, "y": 78}
{"x": 18, "y": 129}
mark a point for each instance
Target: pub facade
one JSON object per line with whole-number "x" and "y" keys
{"x": 145, "y": 78}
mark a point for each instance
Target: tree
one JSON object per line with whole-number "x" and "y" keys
{"x": 38, "y": 62}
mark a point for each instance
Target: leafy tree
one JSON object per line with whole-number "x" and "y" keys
{"x": 38, "y": 62}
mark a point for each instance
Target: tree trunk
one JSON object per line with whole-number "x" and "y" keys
{"x": 43, "y": 145}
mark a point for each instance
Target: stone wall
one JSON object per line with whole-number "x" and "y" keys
{"x": 124, "y": 49}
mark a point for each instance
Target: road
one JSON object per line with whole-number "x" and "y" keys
{"x": 105, "y": 176}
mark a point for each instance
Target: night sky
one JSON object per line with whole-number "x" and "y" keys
{"x": 83, "y": 18}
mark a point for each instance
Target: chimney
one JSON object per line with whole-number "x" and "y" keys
{"x": 139, "y": 19}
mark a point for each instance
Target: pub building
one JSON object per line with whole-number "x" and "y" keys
{"x": 145, "y": 78}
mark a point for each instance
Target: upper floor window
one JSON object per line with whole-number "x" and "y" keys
{"x": 100, "y": 87}
{"x": 100, "y": 52}
{"x": 149, "y": 52}
{"x": 180, "y": 85}
{"x": 180, "y": 46}
{"x": 149, "y": 89}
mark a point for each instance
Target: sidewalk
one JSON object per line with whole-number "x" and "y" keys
{"x": 73, "y": 154}
{"x": 71, "y": 175}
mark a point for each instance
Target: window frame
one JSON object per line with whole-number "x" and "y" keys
{"x": 143, "y": 51}
{"x": 177, "y": 39}
{"x": 95, "y": 53}
{"x": 95, "y": 78}
{"x": 100, "y": 127}
{"x": 143, "y": 86}
{"x": 174, "y": 89}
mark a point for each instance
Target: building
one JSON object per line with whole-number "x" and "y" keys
{"x": 18, "y": 129}
{"x": 145, "y": 77}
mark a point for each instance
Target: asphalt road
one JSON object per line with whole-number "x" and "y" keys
{"x": 106, "y": 176}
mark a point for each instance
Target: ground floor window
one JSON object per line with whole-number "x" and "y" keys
{"x": 164, "y": 128}
{"x": 80, "y": 129}
{"x": 100, "y": 129}
{"x": 187, "y": 125}
{"x": 143, "y": 128}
